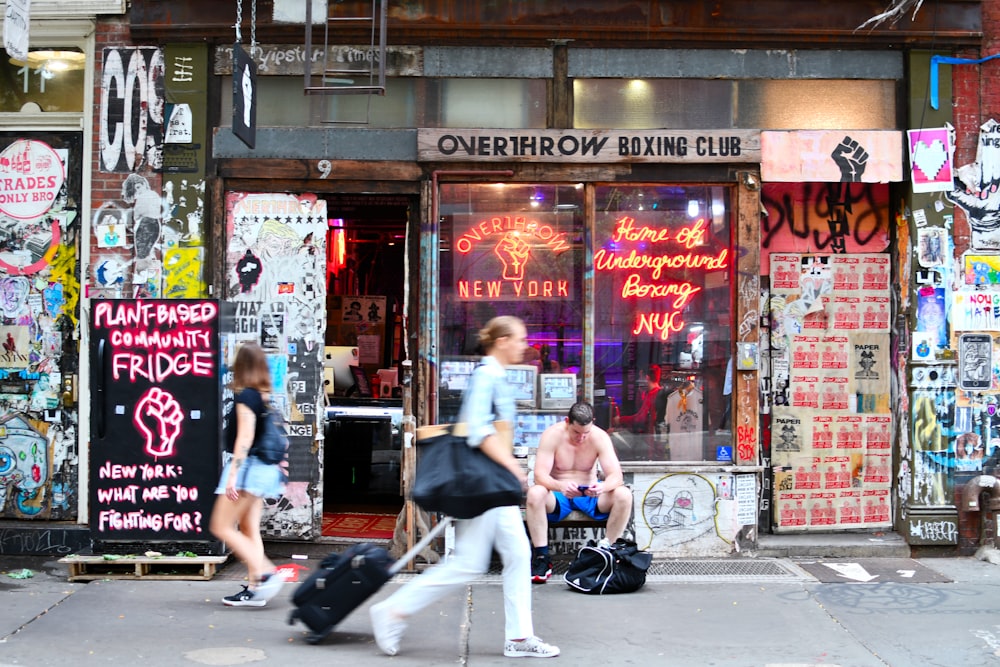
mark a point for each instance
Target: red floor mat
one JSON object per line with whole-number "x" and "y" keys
{"x": 359, "y": 526}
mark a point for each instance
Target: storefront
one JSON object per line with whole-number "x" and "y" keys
{"x": 726, "y": 219}
{"x": 624, "y": 248}
{"x": 611, "y": 279}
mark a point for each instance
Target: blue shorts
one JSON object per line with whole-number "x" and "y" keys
{"x": 586, "y": 504}
{"x": 255, "y": 477}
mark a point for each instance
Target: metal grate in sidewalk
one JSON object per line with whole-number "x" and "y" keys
{"x": 715, "y": 570}
{"x": 702, "y": 570}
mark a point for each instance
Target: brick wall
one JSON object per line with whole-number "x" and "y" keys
{"x": 975, "y": 100}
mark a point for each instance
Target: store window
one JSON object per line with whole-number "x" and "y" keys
{"x": 763, "y": 104}
{"x": 663, "y": 267}
{"x": 51, "y": 80}
{"x": 407, "y": 103}
{"x": 662, "y": 263}
{"x": 513, "y": 249}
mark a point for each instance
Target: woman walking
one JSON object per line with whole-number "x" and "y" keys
{"x": 487, "y": 398}
{"x": 246, "y": 481}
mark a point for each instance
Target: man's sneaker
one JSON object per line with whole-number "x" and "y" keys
{"x": 245, "y": 598}
{"x": 532, "y": 647}
{"x": 603, "y": 543}
{"x": 269, "y": 586}
{"x": 541, "y": 569}
{"x": 387, "y": 628}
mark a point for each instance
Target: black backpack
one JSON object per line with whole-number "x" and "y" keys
{"x": 271, "y": 445}
{"x": 620, "y": 568}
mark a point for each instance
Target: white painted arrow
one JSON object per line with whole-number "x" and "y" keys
{"x": 852, "y": 571}
{"x": 906, "y": 573}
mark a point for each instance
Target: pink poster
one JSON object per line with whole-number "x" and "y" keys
{"x": 930, "y": 159}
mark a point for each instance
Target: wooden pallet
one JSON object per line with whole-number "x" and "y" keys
{"x": 89, "y": 568}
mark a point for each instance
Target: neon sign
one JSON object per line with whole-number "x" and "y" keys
{"x": 500, "y": 257}
{"x": 643, "y": 265}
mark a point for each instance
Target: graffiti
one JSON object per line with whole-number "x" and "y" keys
{"x": 746, "y": 443}
{"x": 275, "y": 273}
{"x": 679, "y": 508}
{"x": 20, "y": 541}
{"x": 131, "y": 112}
{"x": 880, "y": 599}
{"x": 834, "y": 217}
{"x": 24, "y": 465}
{"x": 63, "y": 295}
{"x": 944, "y": 532}
{"x": 976, "y": 189}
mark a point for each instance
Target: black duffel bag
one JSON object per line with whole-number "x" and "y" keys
{"x": 459, "y": 480}
{"x": 598, "y": 570}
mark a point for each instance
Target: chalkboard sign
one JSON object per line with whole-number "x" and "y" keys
{"x": 155, "y": 419}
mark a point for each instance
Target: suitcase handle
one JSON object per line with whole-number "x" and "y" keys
{"x": 419, "y": 546}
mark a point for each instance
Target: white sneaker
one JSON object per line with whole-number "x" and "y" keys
{"x": 387, "y": 628}
{"x": 532, "y": 647}
{"x": 603, "y": 543}
{"x": 270, "y": 585}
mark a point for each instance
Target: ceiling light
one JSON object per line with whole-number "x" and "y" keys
{"x": 53, "y": 60}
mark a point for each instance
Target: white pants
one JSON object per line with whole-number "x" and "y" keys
{"x": 501, "y": 528}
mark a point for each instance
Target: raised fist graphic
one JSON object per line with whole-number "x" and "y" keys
{"x": 513, "y": 253}
{"x": 164, "y": 412}
{"x": 851, "y": 158}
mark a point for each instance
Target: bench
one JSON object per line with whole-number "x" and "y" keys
{"x": 566, "y": 537}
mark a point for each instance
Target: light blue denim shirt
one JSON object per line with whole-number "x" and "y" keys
{"x": 487, "y": 399}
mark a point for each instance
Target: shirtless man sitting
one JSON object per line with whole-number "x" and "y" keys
{"x": 566, "y": 479}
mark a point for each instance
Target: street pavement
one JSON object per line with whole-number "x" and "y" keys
{"x": 864, "y": 613}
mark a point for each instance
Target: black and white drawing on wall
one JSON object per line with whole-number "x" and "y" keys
{"x": 244, "y": 96}
{"x": 975, "y": 361}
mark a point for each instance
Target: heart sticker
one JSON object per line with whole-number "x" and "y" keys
{"x": 930, "y": 159}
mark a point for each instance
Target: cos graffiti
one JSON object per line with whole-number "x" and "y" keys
{"x": 132, "y": 99}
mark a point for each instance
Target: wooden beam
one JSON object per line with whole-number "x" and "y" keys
{"x": 746, "y": 411}
{"x": 354, "y": 170}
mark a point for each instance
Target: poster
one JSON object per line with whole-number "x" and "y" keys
{"x": 831, "y": 424}
{"x": 930, "y": 159}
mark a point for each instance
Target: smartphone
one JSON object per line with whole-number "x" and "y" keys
{"x": 583, "y": 489}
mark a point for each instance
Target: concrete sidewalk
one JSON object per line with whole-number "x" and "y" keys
{"x": 46, "y": 620}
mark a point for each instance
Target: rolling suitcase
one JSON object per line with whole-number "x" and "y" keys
{"x": 344, "y": 580}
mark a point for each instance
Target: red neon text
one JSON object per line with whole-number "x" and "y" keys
{"x": 682, "y": 291}
{"x": 605, "y": 260}
{"x": 556, "y": 241}
{"x": 664, "y": 323}
{"x": 688, "y": 237}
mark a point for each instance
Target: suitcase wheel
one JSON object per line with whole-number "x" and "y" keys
{"x": 314, "y": 637}
{"x": 292, "y": 617}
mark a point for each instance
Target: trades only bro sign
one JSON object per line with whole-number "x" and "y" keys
{"x": 31, "y": 175}
{"x": 688, "y": 146}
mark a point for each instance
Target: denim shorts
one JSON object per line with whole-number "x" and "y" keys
{"x": 255, "y": 477}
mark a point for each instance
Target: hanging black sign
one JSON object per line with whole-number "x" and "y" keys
{"x": 244, "y": 96}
